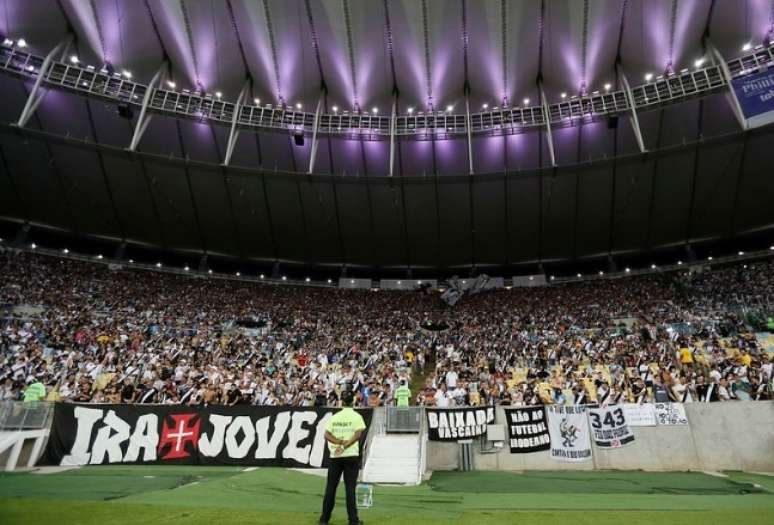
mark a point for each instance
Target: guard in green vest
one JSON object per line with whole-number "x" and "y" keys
{"x": 35, "y": 392}
{"x": 402, "y": 394}
{"x": 343, "y": 432}
{"x": 770, "y": 324}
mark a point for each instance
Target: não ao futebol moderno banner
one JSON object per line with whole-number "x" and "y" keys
{"x": 176, "y": 435}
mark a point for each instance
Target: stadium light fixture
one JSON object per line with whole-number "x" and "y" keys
{"x": 262, "y": 276}
{"x": 7, "y": 42}
{"x": 307, "y": 279}
{"x": 400, "y": 282}
{"x": 771, "y": 247}
{"x": 563, "y": 95}
{"x": 351, "y": 281}
{"x": 21, "y": 43}
{"x": 126, "y": 73}
{"x": 158, "y": 265}
{"x": 698, "y": 62}
{"x": 579, "y": 276}
{"x": 652, "y": 266}
{"x": 747, "y": 46}
{"x": 679, "y": 263}
{"x": 65, "y": 251}
{"x": 186, "y": 268}
{"x": 284, "y": 277}
{"x": 741, "y": 253}
{"x": 628, "y": 270}
{"x": 531, "y": 278}
{"x": 257, "y": 101}
{"x": 99, "y": 256}
{"x": 171, "y": 84}
{"x": 299, "y": 105}
{"x": 485, "y": 105}
{"x": 218, "y": 94}
{"x": 410, "y": 111}
{"x": 374, "y": 110}
{"x": 553, "y": 277}
{"x": 329, "y": 281}
{"x": 608, "y": 86}
{"x": 209, "y": 272}
{"x": 131, "y": 261}
{"x": 601, "y": 272}
{"x": 709, "y": 258}
{"x": 33, "y": 245}
{"x": 464, "y": 282}
{"x": 74, "y": 59}
{"x": 526, "y": 101}
{"x": 449, "y": 108}
{"x": 238, "y": 274}
{"x": 335, "y": 109}
{"x": 648, "y": 77}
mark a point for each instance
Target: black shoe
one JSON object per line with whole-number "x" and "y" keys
{"x": 321, "y": 522}
{"x": 358, "y": 522}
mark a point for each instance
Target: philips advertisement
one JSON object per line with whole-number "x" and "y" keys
{"x": 756, "y": 96}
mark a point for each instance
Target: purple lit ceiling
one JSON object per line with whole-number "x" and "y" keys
{"x": 702, "y": 180}
{"x": 361, "y": 49}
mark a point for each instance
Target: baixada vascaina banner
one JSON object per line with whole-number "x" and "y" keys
{"x": 453, "y": 424}
{"x": 178, "y": 435}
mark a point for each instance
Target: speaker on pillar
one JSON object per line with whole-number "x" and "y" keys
{"x": 125, "y": 111}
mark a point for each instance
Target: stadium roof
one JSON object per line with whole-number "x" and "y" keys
{"x": 456, "y": 199}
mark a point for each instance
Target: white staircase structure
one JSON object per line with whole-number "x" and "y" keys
{"x": 24, "y": 430}
{"x": 394, "y": 457}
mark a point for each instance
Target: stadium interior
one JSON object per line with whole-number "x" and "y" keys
{"x": 530, "y": 241}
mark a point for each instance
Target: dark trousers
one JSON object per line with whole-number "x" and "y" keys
{"x": 349, "y": 467}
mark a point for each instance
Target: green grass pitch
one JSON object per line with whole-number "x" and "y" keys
{"x": 229, "y": 495}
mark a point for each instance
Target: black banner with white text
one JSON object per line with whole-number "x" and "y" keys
{"x": 177, "y": 435}
{"x": 453, "y": 424}
{"x": 527, "y": 429}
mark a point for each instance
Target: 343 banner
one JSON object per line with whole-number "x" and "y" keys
{"x": 609, "y": 428}
{"x": 164, "y": 434}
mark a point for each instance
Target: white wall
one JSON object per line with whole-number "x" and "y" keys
{"x": 719, "y": 436}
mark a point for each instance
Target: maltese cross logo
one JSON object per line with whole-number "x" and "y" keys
{"x": 183, "y": 430}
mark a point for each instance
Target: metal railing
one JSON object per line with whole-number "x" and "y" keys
{"x": 423, "y": 125}
{"x": 403, "y": 419}
{"x": 19, "y": 415}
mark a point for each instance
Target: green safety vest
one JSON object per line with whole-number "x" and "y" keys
{"x": 402, "y": 395}
{"x": 343, "y": 425}
{"x": 770, "y": 323}
{"x": 35, "y": 392}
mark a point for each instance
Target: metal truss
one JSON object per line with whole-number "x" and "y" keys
{"x": 662, "y": 91}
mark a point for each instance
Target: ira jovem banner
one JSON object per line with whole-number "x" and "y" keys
{"x": 180, "y": 435}
{"x": 453, "y": 424}
{"x": 527, "y": 429}
{"x": 569, "y": 430}
{"x": 608, "y": 425}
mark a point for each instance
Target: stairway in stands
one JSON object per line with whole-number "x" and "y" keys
{"x": 397, "y": 446}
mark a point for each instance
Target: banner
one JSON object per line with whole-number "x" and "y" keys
{"x": 608, "y": 424}
{"x": 756, "y": 97}
{"x": 671, "y": 414}
{"x": 569, "y": 430}
{"x": 452, "y": 424}
{"x": 180, "y": 435}
{"x": 527, "y": 429}
{"x": 639, "y": 414}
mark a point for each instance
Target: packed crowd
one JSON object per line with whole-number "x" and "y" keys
{"x": 83, "y": 332}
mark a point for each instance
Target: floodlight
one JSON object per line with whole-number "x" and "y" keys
{"x": 171, "y": 84}
{"x": 21, "y": 43}
{"x": 74, "y": 59}
{"x": 648, "y": 77}
{"x": 127, "y": 74}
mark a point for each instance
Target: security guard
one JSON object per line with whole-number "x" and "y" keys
{"x": 342, "y": 432}
{"x": 403, "y": 394}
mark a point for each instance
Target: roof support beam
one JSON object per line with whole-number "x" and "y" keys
{"x": 635, "y": 121}
{"x": 717, "y": 58}
{"x": 467, "y": 127}
{"x": 317, "y": 112}
{"x": 144, "y": 119}
{"x": 393, "y": 129}
{"x": 234, "y": 133}
{"x": 547, "y": 118}
{"x": 36, "y": 95}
